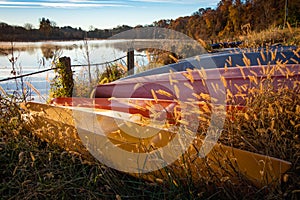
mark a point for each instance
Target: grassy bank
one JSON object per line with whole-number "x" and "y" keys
{"x": 287, "y": 36}
{"x": 33, "y": 169}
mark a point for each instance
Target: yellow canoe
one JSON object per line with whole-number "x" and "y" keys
{"x": 60, "y": 125}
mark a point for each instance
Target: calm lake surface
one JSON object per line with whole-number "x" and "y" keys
{"x": 34, "y": 56}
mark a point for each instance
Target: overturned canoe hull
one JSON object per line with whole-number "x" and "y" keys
{"x": 227, "y": 86}
{"x": 142, "y": 106}
{"x": 70, "y": 128}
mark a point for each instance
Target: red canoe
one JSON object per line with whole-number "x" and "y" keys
{"x": 231, "y": 84}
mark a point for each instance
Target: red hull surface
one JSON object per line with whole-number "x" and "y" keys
{"x": 144, "y": 107}
{"x": 233, "y": 82}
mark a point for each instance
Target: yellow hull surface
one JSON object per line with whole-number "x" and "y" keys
{"x": 129, "y": 144}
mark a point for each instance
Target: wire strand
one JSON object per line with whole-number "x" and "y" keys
{"x": 42, "y": 71}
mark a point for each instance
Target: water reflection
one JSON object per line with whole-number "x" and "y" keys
{"x": 49, "y": 50}
{"x": 36, "y": 56}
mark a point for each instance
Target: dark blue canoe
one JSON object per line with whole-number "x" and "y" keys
{"x": 230, "y": 57}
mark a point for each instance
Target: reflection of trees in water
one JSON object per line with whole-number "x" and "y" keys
{"x": 49, "y": 50}
{"x": 162, "y": 51}
{"x": 6, "y": 49}
{"x": 3, "y": 52}
{"x": 31, "y": 50}
{"x": 69, "y": 47}
{"x": 90, "y": 44}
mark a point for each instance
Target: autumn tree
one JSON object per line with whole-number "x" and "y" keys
{"x": 45, "y": 26}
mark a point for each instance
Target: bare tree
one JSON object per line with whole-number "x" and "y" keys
{"x": 28, "y": 26}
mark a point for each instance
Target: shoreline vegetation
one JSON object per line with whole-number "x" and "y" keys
{"x": 268, "y": 37}
{"x": 32, "y": 168}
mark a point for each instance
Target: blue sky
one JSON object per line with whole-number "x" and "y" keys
{"x": 97, "y": 13}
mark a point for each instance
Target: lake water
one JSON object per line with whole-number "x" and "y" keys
{"x": 35, "y": 56}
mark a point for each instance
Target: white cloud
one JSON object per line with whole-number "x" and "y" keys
{"x": 179, "y": 1}
{"x": 95, "y": 3}
{"x": 60, "y": 4}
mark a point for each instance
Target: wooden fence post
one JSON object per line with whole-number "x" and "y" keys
{"x": 130, "y": 61}
{"x": 66, "y": 75}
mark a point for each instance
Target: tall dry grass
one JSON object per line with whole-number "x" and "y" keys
{"x": 271, "y": 36}
{"x": 34, "y": 169}
{"x": 270, "y": 126}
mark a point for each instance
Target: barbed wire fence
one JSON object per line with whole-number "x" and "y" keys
{"x": 54, "y": 68}
{"x": 102, "y": 64}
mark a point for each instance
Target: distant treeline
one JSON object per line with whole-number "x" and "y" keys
{"x": 230, "y": 18}
{"x": 233, "y": 18}
{"x": 48, "y": 31}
